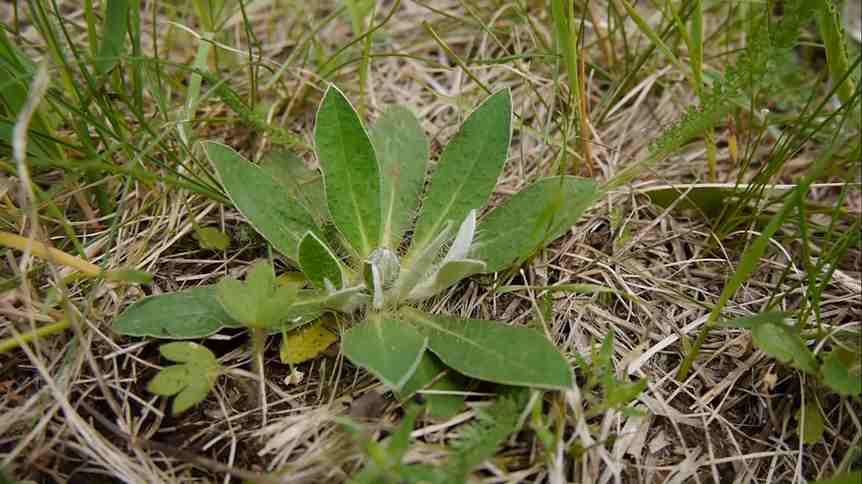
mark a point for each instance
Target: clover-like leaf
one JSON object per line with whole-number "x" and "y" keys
{"x": 351, "y": 173}
{"x": 402, "y": 150}
{"x": 192, "y": 380}
{"x": 318, "y": 263}
{"x": 259, "y": 302}
{"x": 191, "y": 313}
{"x": 389, "y": 349}
{"x": 262, "y": 200}
{"x": 492, "y": 351}
{"x": 531, "y": 219}
{"x": 468, "y": 168}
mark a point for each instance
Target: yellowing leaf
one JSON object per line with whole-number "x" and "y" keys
{"x": 307, "y": 343}
{"x": 811, "y": 431}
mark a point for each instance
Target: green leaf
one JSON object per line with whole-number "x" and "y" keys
{"x": 810, "y": 431}
{"x": 839, "y": 375}
{"x": 318, "y": 263}
{"x": 211, "y": 238}
{"x": 260, "y": 302}
{"x": 389, "y": 349}
{"x": 749, "y": 322}
{"x": 192, "y": 313}
{"x": 190, "y": 381}
{"x": 531, "y": 219}
{"x": 402, "y": 150}
{"x": 620, "y": 394}
{"x": 782, "y": 343}
{"x": 488, "y": 350}
{"x": 301, "y": 182}
{"x": 269, "y": 209}
{"x": 468, "y": 167}
{"x": 854, "y": 477}
{"x": 429, "y": 370}
{"x": 350, "y": 171}
{"x": 115, "y": 28}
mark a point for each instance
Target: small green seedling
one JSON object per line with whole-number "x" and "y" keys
{"x": 357, "y": 263}
{"x": 191, "y": 380}
{"x": 840, "y": 369}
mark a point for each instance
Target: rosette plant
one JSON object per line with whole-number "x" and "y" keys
{"x": 383, "y": 244}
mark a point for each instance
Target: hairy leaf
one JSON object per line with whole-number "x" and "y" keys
{"x": 192, "y": 313}
{"x": 301, "y": 182}
{"x": 389, "y": 349}
{"x": 350, "y": 171}
{"x": 402, "y": 150}
{"x": 531, "y": 219}
{"x": 468, "y": 167}
{"x": 429, "y": 375}
{"x": 318, "y": 263}
{"x": 269, "y": 209}
{"x": 492, "y": 351}
{"x": 449, "y": 274}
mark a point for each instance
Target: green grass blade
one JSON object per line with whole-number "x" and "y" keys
{"x": 114, "y": 28}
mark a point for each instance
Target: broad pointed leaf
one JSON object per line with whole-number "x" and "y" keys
{"x": 492, "y": 351}
{"x": 841, "y": 372}
{"x": 301, "y": 182}
{"x": 318, "y": 263}
{"x": 262, "y": 200}
{"x": 782, "y": 343}
{"x": 389, "y": 349}
{"x": 192, "y": 313}
{"x": 402, "y": 150}
{"x": 531, "y": 219}
{"x": 350, "y": 170}
{"x": 468, "y": 167}
{"x": 429, "y": 375}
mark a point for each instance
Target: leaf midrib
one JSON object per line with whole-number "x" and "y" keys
{"x": 358, "y": 214}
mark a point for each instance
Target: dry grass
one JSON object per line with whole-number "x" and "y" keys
{"x": 74, "y": 408}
